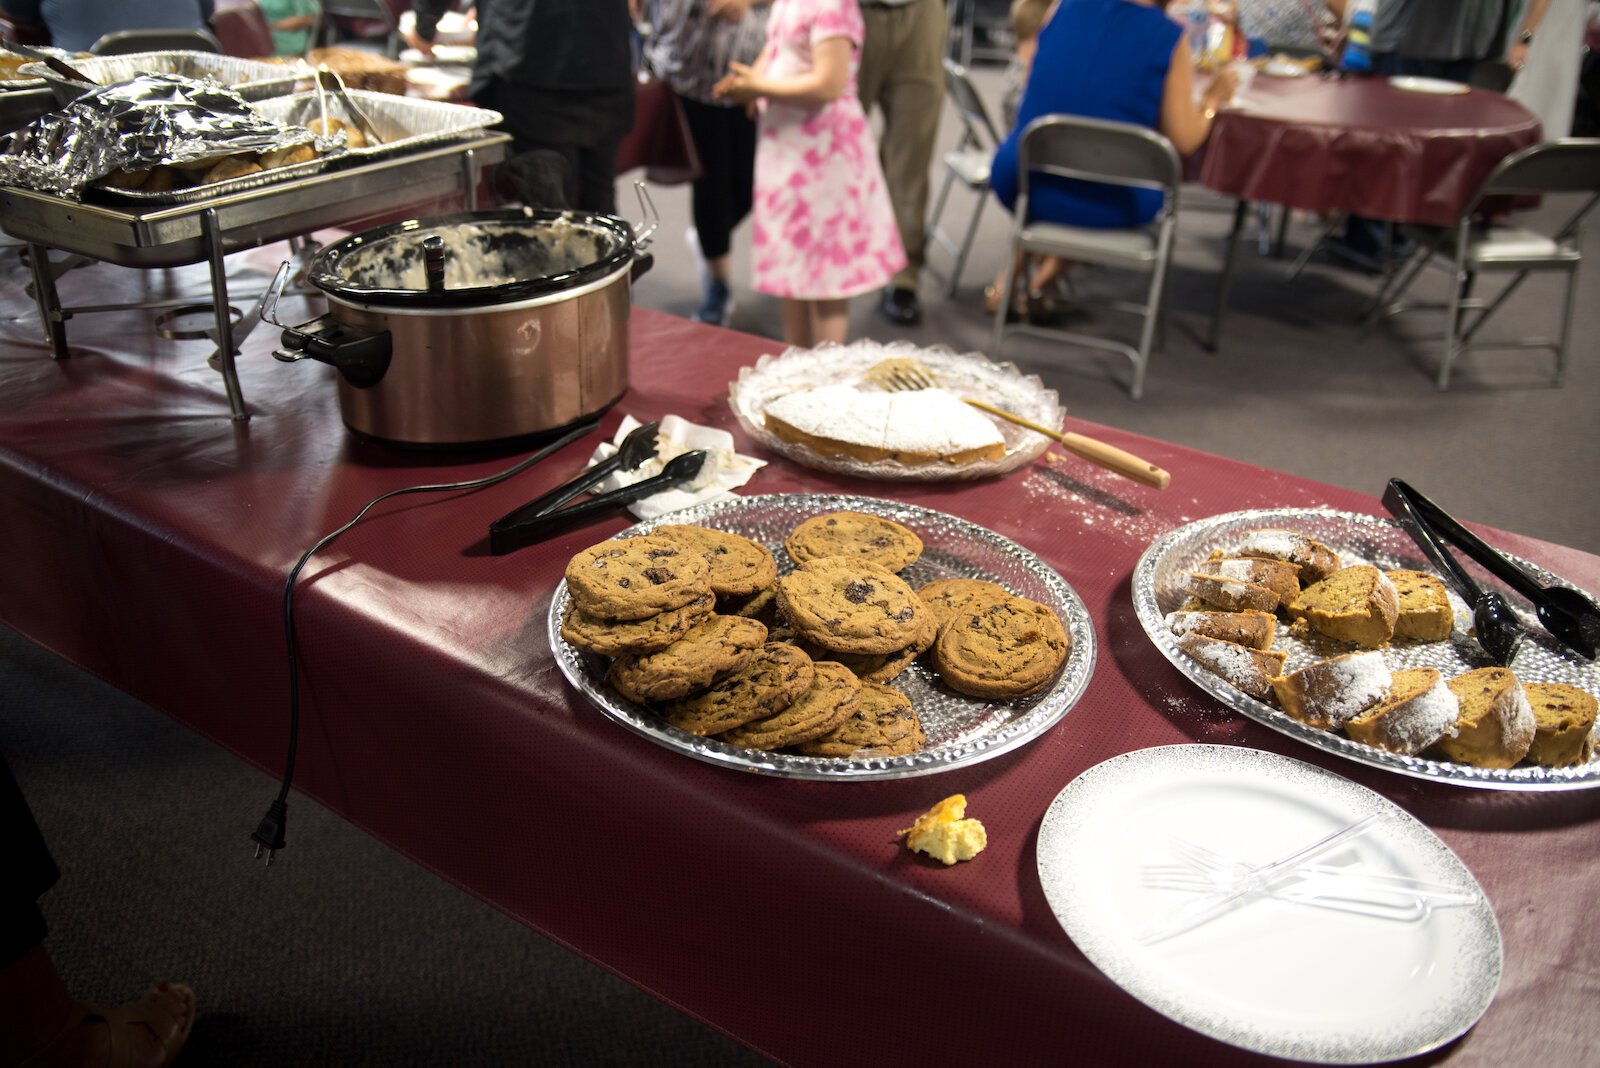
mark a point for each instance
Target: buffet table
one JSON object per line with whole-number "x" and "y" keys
{"x": 149, "y": 535}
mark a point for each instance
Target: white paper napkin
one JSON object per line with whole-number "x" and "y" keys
{"x": 724, "y": 469}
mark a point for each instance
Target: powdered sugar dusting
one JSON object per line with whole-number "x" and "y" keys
{"x": 1340, "y": 689}
{"x": 1413, "y": 725}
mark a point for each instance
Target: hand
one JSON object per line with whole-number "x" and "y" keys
{"x": 740, "y": 86}
{"x": 1221, "y": 89}
{"x": 732, "y": 10}
{"x": 1517, "y": 56}
{"x": 413, "y": 40}
{"x": 635, "y": 10}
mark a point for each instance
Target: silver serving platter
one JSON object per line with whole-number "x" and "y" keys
{"x": 966, "y": 374}
{"x": 1383, "y": 542}
{"x": 961, "y": 730}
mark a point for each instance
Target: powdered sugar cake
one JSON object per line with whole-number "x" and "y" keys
{"x": 974, "y": 375}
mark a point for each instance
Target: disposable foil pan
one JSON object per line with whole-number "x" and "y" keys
{"x": 190, "y": 194}
{"x": 250, "y": 78}
{"x": 402, "y": 122}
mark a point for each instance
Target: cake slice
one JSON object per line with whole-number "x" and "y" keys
{"x": 1228, "y": 594}
{"x": 1251, "y": 670}
{"x": 1330, "y": 693}
{"x": 1496, "y": 724}
{"x": 1425, "y": 613}
{"x": 1279, "y": 576}
{"x": 1418, "y": 711}
{"x": 1564, "y": 723}
{"x": 1253, "y": 630}
{"x": 1316, "y": 560}
{"x": 1354, "y": 604}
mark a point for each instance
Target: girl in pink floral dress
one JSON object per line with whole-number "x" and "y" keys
{"x": 824, "y": 228}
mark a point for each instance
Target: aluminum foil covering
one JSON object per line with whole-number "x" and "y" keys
{"x": 1382, "y": 542}
{"x": 961, "y": 730}
{"x": 252, "y": 79}
{"x": 150, "y": 120}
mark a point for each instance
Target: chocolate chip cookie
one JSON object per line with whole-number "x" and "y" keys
{"x": 712, "y": 648}
{"x": 770, "y": 683}
{"x": 850, "y": 606}
{"x": 856, "y": 536}
{"x": 885, "y": 724}
{"x": 739, "y": 566}
{"x": 834, "y": 694}
{"x": 617, "y": 637}
{"x": 881, "y": 667}
{"x": 635, "y": 578}
{"x": 947, "y": 596}
{"x": 1008, "y": 648}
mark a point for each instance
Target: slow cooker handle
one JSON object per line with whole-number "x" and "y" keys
{"x": 362, "y": 359}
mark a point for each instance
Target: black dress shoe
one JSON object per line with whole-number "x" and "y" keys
{"x": 901, "y": 306}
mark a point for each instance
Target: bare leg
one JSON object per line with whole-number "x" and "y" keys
{"x": 44, "y": 1022}
{"x": 797, "y": 322}
{"x": 830, "y": 321}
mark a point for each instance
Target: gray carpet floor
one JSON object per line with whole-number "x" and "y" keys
{"x": 347, "y": 954}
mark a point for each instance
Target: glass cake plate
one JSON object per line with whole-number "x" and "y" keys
{"x": 961, "y": 730}
{"x": 969, "y": 374}
{"x": 1383, "y": 542}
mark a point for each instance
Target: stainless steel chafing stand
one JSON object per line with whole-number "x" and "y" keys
{"x": 208, "y": 230}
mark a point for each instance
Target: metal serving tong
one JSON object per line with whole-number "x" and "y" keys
{"x": 1569, "y": 616}
{"x": 544, "y": 517}
{"x": 55, "y": 63}
{"x": 328, "y": 80}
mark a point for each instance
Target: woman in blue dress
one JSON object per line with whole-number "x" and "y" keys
{"x": 1120, "y": 60}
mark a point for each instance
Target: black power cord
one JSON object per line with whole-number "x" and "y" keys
{"x": 269, "y": 833}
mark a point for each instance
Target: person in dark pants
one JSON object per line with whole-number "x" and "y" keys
{"x": 561, "y": 72}
{"x": 692, "y": 45}
{"x": 40, "y": 1023}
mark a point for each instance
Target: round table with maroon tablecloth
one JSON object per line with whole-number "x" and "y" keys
{"x": 1358, "y": 146}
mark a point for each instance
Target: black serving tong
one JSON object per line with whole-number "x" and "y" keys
{"x": 1495, "y": 626}
{"x": 1569, "y": 616}
{"x": 544, "y": 517}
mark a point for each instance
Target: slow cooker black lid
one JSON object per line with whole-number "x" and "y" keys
{"x": 325, "y": 270}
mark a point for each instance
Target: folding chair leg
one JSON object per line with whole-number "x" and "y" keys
{"x": 1494, "y": 306}
{"x": 966, "y": 244}
{"x": 1566, "y": 327}
{"x": 1005, "y": 300}
{"x": 1394, "y": 285}
{"x": 931, "y": 231}
{"x": 1452, "y": 323}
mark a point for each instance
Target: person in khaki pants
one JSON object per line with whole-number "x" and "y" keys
{"x": 902, "y": 72}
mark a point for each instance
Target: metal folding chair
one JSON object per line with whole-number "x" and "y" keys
{"x": 126, "y": 42}
{"x": 967, "y": 163}
{"x": 1097, "y": 151}
{"x": 1567, "y": 168}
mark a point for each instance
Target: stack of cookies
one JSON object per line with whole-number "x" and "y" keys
{"x": 704, "y": 632}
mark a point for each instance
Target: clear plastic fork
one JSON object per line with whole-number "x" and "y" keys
{"x": 1330, "y": 892}
{"x": 1224, "y": 870}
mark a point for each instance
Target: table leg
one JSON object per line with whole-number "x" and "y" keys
{"x": 49, "y": 302}
{"x": 1229, "y": 256}
{"x": 226, "y": 350}
{"x": 469, "y": 181}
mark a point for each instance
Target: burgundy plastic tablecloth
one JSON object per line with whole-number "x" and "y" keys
{"x": 147, "y": 538}
{"x": 1360, "y": 145}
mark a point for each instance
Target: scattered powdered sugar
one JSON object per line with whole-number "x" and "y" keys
{"x": 1517, "y": 726}
{"x": 929, "y": 422}
{"x": 1280, "y": 544}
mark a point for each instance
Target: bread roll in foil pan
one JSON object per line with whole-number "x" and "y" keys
{"x": 148, "y": 123}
